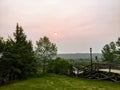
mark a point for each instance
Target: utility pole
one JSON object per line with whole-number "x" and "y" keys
{"x": 91, "y": 58}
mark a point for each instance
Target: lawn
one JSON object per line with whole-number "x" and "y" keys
{"x": 57, "y": 82}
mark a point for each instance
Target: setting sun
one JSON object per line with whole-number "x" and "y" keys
{"x": 55, "y": 34}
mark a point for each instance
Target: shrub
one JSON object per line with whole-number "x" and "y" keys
{"x": 59, "y": 66}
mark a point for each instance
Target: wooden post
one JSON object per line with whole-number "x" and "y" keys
{"x": 91, "y": 58}
{"x": 97, "y": 61}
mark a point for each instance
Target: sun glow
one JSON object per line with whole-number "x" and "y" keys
{"x": 55, "y": 34}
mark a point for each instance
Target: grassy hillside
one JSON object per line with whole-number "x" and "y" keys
{"x": 56, "y": 82}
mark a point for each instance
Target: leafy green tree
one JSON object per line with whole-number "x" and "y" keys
{"x": 109, "y": 53}
{"x": 45, "y": 51}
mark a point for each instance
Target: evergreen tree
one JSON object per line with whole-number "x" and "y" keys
{"x": 18, "y": 60}
{"x": 23, "y": 54}
{"x": 6, "y": 67}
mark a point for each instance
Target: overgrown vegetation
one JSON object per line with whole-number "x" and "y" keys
{"x": 60, "y": 66}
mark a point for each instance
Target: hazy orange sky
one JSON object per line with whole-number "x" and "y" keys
{"x": 79, "y": 24}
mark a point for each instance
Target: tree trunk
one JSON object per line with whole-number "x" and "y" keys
{"x": 44, "y": 62}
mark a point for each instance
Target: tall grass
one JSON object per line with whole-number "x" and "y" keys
{"x": 57, "y": 82}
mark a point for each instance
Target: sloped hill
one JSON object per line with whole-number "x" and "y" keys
{"x": 57, "y": 82}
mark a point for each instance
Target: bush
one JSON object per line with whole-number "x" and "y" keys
{"x": 59, "y": 66}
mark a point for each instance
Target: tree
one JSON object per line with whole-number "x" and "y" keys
{"x": 23, "y": 54}
{"x": 45, "y": 51}
{"x": 108, "y": 53}
{"x": 18, "y": 60}
{"x": 118, "y": 42}
{"x": 118, "y": 49}
{"x": 1, "y": 64}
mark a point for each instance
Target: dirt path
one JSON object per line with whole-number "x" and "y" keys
{"x": 112, "y": 70}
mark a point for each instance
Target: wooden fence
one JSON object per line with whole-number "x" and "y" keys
{"x": 100, "y": 71}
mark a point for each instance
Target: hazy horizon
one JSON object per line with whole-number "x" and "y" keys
{"x": 73, "y": 25}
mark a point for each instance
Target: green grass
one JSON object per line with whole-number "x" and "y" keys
{"x": 57, "y": 82}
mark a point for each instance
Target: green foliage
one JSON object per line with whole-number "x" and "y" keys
{"x": 23, "y": 54}
{"x": 109, "y": 52}
{"x": 6, "y": 61}
{"x": 1, "y": 44}
{"x": 59, "y": 66}
{"x": 18, "y": 60}
{"x": 118, "y": 42}
{"x": 118, "y": 49}
{"x": 45, "y": 51}
{"x": 80, "y": 65}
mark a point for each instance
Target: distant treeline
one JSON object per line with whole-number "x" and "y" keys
{"x": 80, "y": 56}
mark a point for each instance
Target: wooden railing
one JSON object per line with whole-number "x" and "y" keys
{"x": 101, "y": 71}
